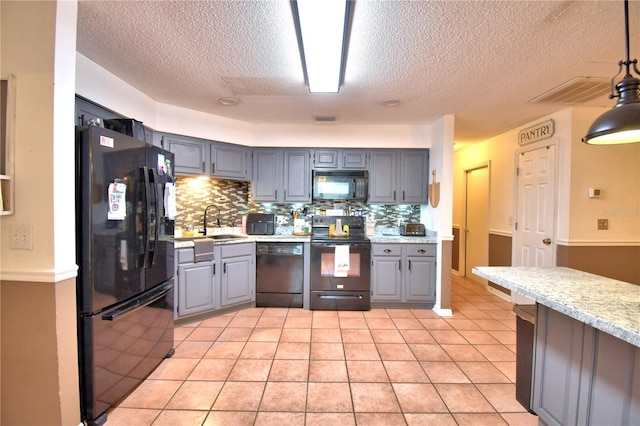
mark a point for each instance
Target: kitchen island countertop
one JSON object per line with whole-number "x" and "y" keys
{"x": 606, "y": 304}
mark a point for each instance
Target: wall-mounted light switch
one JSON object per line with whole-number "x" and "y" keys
{"x": 603, "y": 224}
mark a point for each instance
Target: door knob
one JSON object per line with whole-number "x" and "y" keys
{"x": 546, "y": 241}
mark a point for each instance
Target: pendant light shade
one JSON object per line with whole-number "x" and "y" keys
{"x": 620, "y": 125}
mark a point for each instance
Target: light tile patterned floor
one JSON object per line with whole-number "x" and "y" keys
{"x": 278, "y": 366}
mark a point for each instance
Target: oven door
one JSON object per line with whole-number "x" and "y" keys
{"x": 325, "y": 275}
{"x": 342, "y": 287}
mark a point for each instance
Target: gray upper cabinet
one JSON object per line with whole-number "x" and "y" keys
{"x": 297, "y": 176}
{"x": 325, "y": 159}
{"x": 190, "y": 154}
{"x": 267, "y": 174}
{"x": 230, "y": 161}
{"x": 340, "y": 159}
{"x": 399, "y": 177}
{"x": 414, "y": 177}
{"x": 382, "y": 177}
{"x": 353, "y": 159}
{"x": 281, "y": 175}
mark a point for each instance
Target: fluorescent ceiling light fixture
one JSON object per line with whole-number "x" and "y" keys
{"x": 322, "y": 31}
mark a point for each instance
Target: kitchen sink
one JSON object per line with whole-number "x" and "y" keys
{"x": 225, "y": 236}
{"x": 211, "y": 237}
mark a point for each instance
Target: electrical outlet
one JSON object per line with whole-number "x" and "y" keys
{"x": 21, "y": 237}
{"x": 603, "y": 224}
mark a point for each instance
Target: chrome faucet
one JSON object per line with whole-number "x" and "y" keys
{"x": 205, "y": 218}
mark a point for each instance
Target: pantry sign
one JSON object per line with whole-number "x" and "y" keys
{"x": 536, "y": 133}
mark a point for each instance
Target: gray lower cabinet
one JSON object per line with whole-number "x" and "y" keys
{"x": 386, "y": 272}
{"x": 420, "y": 277}
{"x": 238, "y": 273}
{"x": 582, "y": 375}
{"x": 213, "y": 284}
{"x": 403, "y": 273}
{"x": 196, "y": 284}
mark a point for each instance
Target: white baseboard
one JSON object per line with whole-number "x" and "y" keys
{"x": 443, "y": 312}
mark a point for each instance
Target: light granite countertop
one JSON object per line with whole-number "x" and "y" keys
{"x": 387, "y": 235}
{"x": 279, "y": 238}
{"x": 401, "y": 239}
{"x": 606, "y": 304}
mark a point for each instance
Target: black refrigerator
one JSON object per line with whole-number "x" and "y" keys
{"x": 124, "y": 249}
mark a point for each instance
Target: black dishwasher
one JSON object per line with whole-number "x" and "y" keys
{"x": 279, "y": 274}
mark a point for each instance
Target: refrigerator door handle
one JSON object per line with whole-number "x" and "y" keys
{"x": 128, "y": 308}
{"x": 147, "y": 216}
{"x": 154, "y": 212}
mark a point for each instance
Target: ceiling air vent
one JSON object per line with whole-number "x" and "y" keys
{"x": 578, "y": 90}
{"x": 325, "y": 118}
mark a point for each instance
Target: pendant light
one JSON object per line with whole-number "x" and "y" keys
{"x": 621, "y": 124}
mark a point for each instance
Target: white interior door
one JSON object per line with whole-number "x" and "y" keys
{"x": 534, "y": 243}
{"x": 477, "y": 222}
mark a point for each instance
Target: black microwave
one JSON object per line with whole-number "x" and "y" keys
{"x": 343, "y": 185}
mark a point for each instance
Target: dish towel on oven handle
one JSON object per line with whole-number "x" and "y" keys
{"x": 341, "y": 261}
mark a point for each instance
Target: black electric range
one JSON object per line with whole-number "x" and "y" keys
{"x": 340, "y": 265}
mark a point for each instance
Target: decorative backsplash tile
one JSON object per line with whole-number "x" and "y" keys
{"x": 232, "y": 200}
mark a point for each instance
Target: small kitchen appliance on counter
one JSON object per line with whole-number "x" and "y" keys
{"x": 260, "y": 224}
{"x": 413, "y": 230}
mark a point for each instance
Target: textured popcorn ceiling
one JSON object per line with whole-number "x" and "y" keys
{"x": 482, "y": 61}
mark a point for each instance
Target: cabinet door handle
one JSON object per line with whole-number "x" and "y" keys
{"x": 403, "y": 195}
{"x": 224, "y": 267}
{"x": 422, "y": 251}
{"x": 387, "y": 250}
{"x": 203, "y": 167}
{"x": 276, "y": 195}
{"x": 394, "y": 195}
{"x": 409, "y": 264}
{"x": 285, "y": 195}
{"x": 214, "y": 269}
{"x": 399, "y": 265}
{"x": 213, "y": 168}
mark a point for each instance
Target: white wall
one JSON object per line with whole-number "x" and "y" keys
{"x": 44, "y": 141}
{"x": 500, "y": 152}
{"x": 615, "y": 170}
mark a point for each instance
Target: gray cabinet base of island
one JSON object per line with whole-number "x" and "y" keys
{"x": 583, "y": 376}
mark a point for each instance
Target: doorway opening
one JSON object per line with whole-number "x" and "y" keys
{"x": 476, "y": 227}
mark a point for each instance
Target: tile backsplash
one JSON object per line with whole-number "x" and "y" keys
{"x": 232, "y": 200}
